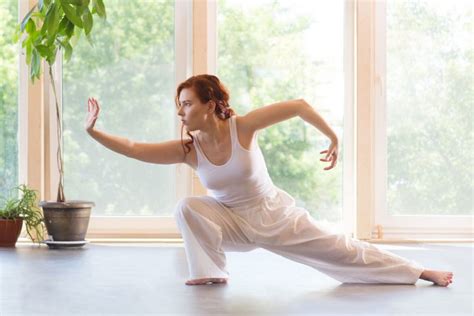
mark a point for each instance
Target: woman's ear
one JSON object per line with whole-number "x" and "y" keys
{"x": 211, "y": 106}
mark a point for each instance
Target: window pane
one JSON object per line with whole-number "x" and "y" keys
{"x": 430, "y": 110}
{"x": 130, "y": 70}
{"x": 8, "y": 99}
{"x": 271, "y": 51}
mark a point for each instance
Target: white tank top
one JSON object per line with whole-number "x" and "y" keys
{"x": 242, "y": 179}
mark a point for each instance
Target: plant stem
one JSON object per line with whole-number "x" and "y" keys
{"x": 60, "y": 196}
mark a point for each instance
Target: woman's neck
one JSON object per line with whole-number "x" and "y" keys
{"x": 215, "y": 132}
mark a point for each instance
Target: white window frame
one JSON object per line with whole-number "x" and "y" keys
{"x": 400, "y": 226}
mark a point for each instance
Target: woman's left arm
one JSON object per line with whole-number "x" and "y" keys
{"x": 274, "y": 113}
{"x": 309, "y": 114}
{"x": 277, "y": 112}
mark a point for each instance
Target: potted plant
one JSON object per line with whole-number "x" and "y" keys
{"x": 15, "y": 212}
{"x": 52, "y": 26}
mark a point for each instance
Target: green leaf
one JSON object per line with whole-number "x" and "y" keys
{"x": 75, "y": 37}
{"x": 27, "y": 17}
{"x": 47, "y": 18}
{"x": 30, "y": 26}
{"x": 38, "y": 14}
{"x": 87, "y": 20}
{"x": 53, "y": 21}
{"x": 98, "y": 6}
{"x": 63, "y": 25}
{"x": 50, "y": 40}
{"x": 40, "y": 4}
{"x": 67, "y": 52}
{"x": 69, "y": 29}
{"x": 28, "y": 52}
{"x": 35, "y": 65}
{"x": 71, "y": 13}
{"x": 52, "y": 56}
{"x": 89, "y": 39}
{"x": 43, "y": 50}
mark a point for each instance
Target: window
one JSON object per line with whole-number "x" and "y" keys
{"x": 429, "y": 90}
{"x": 131, "y": 71}
{"x": 271, "y": 51}
{"x": 8, "y": 98}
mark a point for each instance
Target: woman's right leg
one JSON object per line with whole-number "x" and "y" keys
{"x": 208, "y": 228}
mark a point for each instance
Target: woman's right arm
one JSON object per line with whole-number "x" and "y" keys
{"x": 118, "y": 144}
{"x": 160, "y": 153}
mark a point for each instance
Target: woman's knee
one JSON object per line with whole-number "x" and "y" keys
{"x": 187, "y": 205}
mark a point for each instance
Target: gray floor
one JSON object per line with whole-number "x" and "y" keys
{"x": 148, "y": 279}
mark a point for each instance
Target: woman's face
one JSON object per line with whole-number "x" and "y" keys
{"x": 192, "y": 112}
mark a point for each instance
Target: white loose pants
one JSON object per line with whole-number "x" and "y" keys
{"x": 274, "y": 222}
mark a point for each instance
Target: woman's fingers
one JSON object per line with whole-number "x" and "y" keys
{"x": 328, "y": 157}
{"x": 333, "y": 163}
{"x": 96, "y": 104}
{"x": 331, "y": 156}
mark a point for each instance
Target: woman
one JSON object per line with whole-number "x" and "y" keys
{"x": 246, "y": 210}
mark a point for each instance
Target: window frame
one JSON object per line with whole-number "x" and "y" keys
{"x": 400, "y": 226}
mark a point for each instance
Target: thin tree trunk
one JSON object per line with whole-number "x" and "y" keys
{"x": 60, "y": 196}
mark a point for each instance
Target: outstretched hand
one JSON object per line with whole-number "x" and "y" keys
{"x": 331, "y": 155}
{"x": 93, "y": 109}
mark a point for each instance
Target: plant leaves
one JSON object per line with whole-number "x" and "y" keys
{"x": 27, "y": 17}
{"x": 52, "y": 56}
{"x": 87, "y": 20}
{"x": 53, "y": 21}
{"x": 69, "y": 29}
{"x": 30, "y": 26}
{"x": 98, "y": 6}
{"x": 71, "y": 14}
{"x": 89, "y": 39}
{"x": 43, "y": 50}
{"x": 35, "y": 64}
{"x": 63, "y": 25}
{"x": 50, "y": 23}
{"x": 28, "y": 51}
{"x": 67, "y": 52}
{"x": 75, "y": 37}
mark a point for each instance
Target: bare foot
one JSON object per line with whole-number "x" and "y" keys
{"x": 206, "y": 281}
{"x": 442, "y": 278}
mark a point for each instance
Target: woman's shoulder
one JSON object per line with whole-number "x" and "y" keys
{"x": 191, "y": 156}
{"x": 241, "y": 123}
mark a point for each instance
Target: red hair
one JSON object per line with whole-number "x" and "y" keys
{"x": 207, "y": 88}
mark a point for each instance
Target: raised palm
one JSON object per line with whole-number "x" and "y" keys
{"x": 93, "y": 109}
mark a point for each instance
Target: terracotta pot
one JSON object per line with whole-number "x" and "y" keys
{"x": 10, "y": 230}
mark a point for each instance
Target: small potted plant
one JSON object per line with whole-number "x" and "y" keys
{"x": 15, "y": 212}
{"x": 51, "y": 27}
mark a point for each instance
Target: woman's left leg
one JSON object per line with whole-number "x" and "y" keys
{"x": 345, "y": 259}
